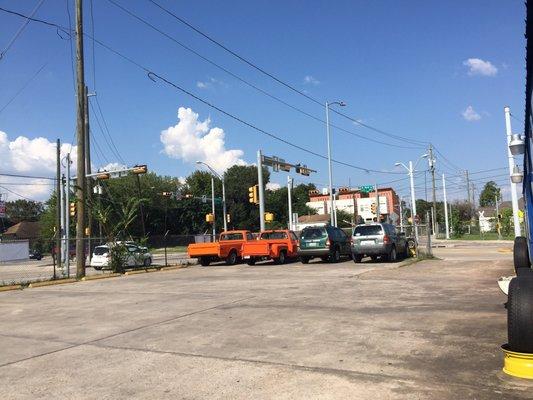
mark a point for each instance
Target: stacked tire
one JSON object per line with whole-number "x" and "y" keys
{"x": 520, "y": 301}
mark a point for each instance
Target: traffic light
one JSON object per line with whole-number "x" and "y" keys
{"x": 209, "y": 218}
{"x": 228, "y": 218}
{"x": 72, "y": 209}
{"x": 253, "y": 194}
{"x": 103, "y": 176}
{"x": 188, "y": 196}
{"x": 166, "y": 194}
{"x": 139, "y": 169}
{"x": 373, "y": 208}
{"x": 302, "y": 170}
{"x": 269, "y": 217}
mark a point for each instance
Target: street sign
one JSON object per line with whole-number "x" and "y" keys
{"x": 366, "y": 188}
{"x": 204, "y": 198}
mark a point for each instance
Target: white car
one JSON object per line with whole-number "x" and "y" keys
{"x": 137, "y": 256}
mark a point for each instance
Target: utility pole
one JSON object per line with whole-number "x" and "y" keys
{"x": 378, "y": 211}
{"x": 141, "y": 208}
{"x": 67, "y": 217}
{"x": 401, "y": 214}
{"x": 445, "y": 207}
{"x": 261, "y": 190}
{"x": 432, "y": 170}
{"x": 510, "y": 158}
{"x": 498, "y": 227}
{"x": 58, "y": 207}
{"x": 213, "y": 207}
{"x": 289, "y": 198}
{"x": 80, "y": 134}
{"x": 468, "y": 188}
{"x": 88, "y": 171}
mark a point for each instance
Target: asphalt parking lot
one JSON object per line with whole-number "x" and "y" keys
{"x": 429, "y": 330}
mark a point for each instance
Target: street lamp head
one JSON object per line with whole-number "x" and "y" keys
{"x": 398, "y": 164}
{"x": 199, "y": 162}
{"x": 424, "y": 156}
{"x": 342, "y": 104}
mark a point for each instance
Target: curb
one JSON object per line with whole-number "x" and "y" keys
{"x": 96, "y": 277}
{"x": 50, "y": 283}
{"x": 10, "y": 287}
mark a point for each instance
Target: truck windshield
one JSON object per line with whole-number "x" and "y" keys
{"x": 367, "y": 230}
{"x": 231, "y": 236}
{"x": 274, "y": 235}
{"x": 313, "y": 233}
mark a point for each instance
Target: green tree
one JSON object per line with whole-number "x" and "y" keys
{"x": 23, "y": 210}
{"x": 488, "y": 195}
{"x": 277, "y": 203}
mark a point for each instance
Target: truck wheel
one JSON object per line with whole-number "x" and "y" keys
{"x": 232, "y": 258}
{"x": 520, "y": 253}
{"x": 374, "y": 258}
{"x": 336, "y": 255}
{"x": 205, "y": 261}
{"x": 357, "y": 258}
{"x": 147, "y": 262}
{"x": 251, "y": 261}
{"x": 281, "y": 258}
{"x": 406, "y": 253}
{"x": 391, "y": 257}
{"x": 305, "y": 260}
{"x": 520, "y": 314}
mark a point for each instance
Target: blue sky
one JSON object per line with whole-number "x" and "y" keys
{"x": 399, "y": 66}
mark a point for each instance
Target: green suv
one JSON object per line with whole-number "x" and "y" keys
{"x": 327, "y": 242}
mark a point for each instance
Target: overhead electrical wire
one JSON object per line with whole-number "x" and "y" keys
{"x": 253, "y": 86}
{"x": 20, "y": 30}
{"x": 23, "y": 87}
{"x": 283, "y": 83}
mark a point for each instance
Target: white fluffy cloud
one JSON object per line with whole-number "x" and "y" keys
{"x": 470, "y": 114}
{"x": 477, "y": 66}
{"x": 273, "y": 186}
{"x": 310, "y": 80}
{"x": 29, "y": 157}
{"x": 192, "y": 140}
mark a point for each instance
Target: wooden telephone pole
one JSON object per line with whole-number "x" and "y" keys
{"x": 81, "y": 187}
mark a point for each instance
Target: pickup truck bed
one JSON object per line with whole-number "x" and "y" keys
{"x": 228, "y": 248}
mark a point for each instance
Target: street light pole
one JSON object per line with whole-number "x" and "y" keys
{"x": 333, "y": 222}
{"x": 413, "y": 198}
{"x": 222, "y": 178}
{"x": 514, "y": 197}
{"x": 445, "y": 207}
{"x": 289, "y": 195}
{"x": 213, "y": 206}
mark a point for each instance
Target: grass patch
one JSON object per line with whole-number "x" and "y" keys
{"x": 485, "y": 236}
{"x": 173, "y": 249}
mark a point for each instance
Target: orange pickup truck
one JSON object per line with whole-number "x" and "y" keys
{"x": 277, "y": 245}
{"x": 228, "y": 248}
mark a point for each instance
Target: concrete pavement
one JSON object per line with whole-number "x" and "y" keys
{"x": 430, "y": 330}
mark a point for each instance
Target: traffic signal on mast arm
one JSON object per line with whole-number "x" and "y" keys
{"x": 72, "y": 209}
{"x": 373, "y": 208}
{"x": 253, "y": 194}
{"x": 103, "y": 176}
{"x": 139, "y": 169}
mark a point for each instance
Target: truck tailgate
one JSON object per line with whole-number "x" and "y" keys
{"x": 203, "y": 249}
{"x": 256, "y": 248}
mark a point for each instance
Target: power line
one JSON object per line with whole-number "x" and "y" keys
{"x": 92, "y": 42}
{"x": 242, "y": 80}
{"x": 105, "y": 132}
{"x": 23, "y": 87}
{"x": 20, "y": 30}
{"x": 28, "y": 176}
{"x": 18, "y": 194}
{"x": 287, "y": 85}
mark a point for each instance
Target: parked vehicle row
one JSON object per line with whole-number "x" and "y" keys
{"x": 377, "y": 240}
{"x": 136, "y": 256}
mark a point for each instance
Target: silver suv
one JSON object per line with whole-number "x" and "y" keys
{"x": 378, "y": 240}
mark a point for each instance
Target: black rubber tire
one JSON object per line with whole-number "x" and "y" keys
{"x": 392, "y": 256}
{"x": 374, "y": 258}
{"x": 147, "y": 262}
{"x": 98, "y": 268}
{"x": 305, "y": 260}
{"x": 520, "y": 314}
{"x": 406, "y": 252}
{"x": 336, "y": 255}
{"x": 520, "y": 253}
{"x": 357, "y": 258}
{"x": 231, "y": 259}
{"x": 325, "y": 258}
{"x": 250, "y": 261}
{"x": 282, "y": 258}
{"x": 205, "y": 261}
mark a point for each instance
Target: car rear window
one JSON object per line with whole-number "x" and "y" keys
{"x": 367, "y": 230}
{"x": 231, "y": 236}
{"x": 274, "y": 235}
{"x": 313, "y": 233}
{"x": 99, "y": 251}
